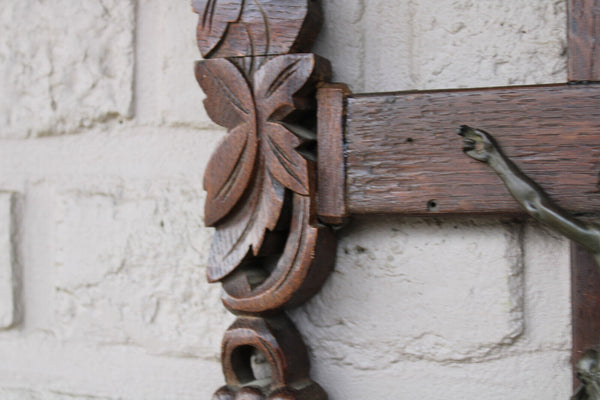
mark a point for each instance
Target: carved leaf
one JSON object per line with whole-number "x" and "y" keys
{"x": 245, "y": 229}
{"x": 215, "y": 17}
{"x": 229, "y": 170}
{"x": 231, "y": 28}
{"x": 228, "y": 97}
{"x": 283, "y": 161}
{"x": 229, "y": 103}
{"x": 278, "y": 80}
{"x": 278, "y": 165}
{"x": 240, "y": 47}
{"x": 257, "y": 21}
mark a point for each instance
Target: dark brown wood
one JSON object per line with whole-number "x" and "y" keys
{"x": 269, "y": 250}
{"x": 263, "y": 285}
{"x": 283, "y": 349}
{"x": 251, "y": 114}
{"x": 404, "y": 157}
{"x": 331, "y": 195}
{"x": 584, "y": 46}
{"x": 585, "y": 299}
{"x": 229, "y": 103}
{"x": 238, "y": 28}
{"x": 584, "y": 65}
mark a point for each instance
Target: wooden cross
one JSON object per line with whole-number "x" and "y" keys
{"x": 274, "y": 189}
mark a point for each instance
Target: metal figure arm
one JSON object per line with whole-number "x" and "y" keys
{"x": 481, "y": 146}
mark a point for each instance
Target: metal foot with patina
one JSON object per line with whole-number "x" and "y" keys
{"x": 482, "y": 146}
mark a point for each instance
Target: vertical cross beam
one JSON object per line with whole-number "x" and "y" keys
{"x": 584, "y": 65}
{"x": 584, "y": 46}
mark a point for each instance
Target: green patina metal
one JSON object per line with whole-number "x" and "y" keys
{"x": 482, "y": 146}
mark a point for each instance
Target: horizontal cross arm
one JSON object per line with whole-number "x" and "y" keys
{"x": 401, "y": 155}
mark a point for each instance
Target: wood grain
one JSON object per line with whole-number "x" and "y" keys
{"x": 584, "y": 46}
{"x": 331, "y": 196}
{"x": 230, "y": 104}
{"x": 257, "y": 161}
{"x": 263, "y": 285}
{"x": 238, "y": 28}
{"x": 404, "y": 157}
{"x": 284, "y": 351}
{"x": 585, "y": 300}
{"x": 269, "y": 250}
{"x": 584, "y": 65}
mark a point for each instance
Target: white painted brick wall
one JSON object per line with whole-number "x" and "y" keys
{"x": 64, "y": 67}
{"x": 383, "y": 45}
{"x": 143, "y": 282}
{"x": 111, "y": 251}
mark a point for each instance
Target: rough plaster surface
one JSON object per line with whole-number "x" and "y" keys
{"x": 384, "y": 45}
{"x": 511, "y": 377}
{"x": 421, "y": 308}
{"x": 416, "y": 290}
{"x": 112, "y": 252}
{"x": 486, "y": 43}
{"x": 130, "y": 269}
{"x": 169, "y": 94}
{"x": 64, "y": 67}
{"x": 39, "y": 366}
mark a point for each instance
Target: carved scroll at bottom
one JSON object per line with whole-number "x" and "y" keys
{"x": 281, "y": 345}
{"x": 307, "y": 257}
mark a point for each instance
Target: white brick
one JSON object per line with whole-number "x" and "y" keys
{"x": 389, "y": 48}
{"x": 180, "y": 95}
{"x": 64, "y": 66}
{"x": 489, "y": 43}
{"x": 441, "y": 291}
{"x": 168, "y": 93}
{"x": 363, "y": 328}
{"x": 433, "y": 44}
{"x": 342, "y": 41}
{"x": 536, "y": 376}
{"x": 131, "y": 269}
{"x": 29, "y": 394}
{"x": 548, "y": 282}
{"x": 400, "y": 283}
{"x": 44, "y": 367}
{"x": 8, "y": 306}
{"x": 126, "y": 152}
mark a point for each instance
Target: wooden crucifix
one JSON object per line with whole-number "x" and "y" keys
{"x": 302, "y": 155}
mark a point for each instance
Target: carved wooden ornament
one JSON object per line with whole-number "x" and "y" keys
{"x": 248, "y": 28}
{"x": 269, "y": 251}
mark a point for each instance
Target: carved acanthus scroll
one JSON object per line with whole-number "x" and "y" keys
{"x": 269, "y": 251}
